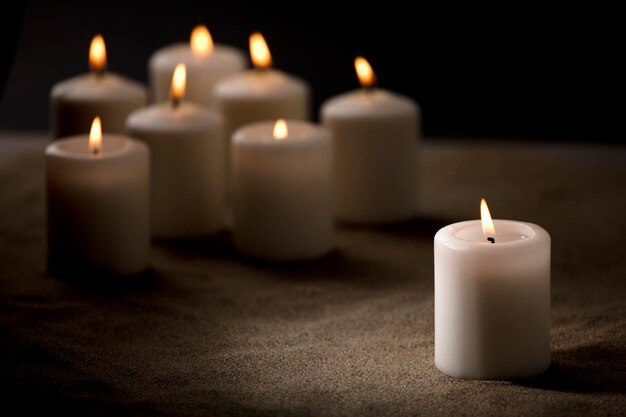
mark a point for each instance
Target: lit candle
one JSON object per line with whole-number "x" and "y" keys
{"x": 282, "y": 181}
{"x": 75, "y": 102}
{"x": 187, "y": 148}
{"x": 492, "y": 299}
{"x": 98, "y": 203}
{"x": 206, "y": 63}
{"x": 376, "y": 135}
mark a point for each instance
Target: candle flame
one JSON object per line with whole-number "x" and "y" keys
{"x": 179, "y": 80}
{"x": 260, "y": 53}
{"x": 201, "y": 42}
{"x": 95, "y": 136}
{"x": 280, "y": 129}
{"x": 364, "y": 71}
{"x": 488, "y": 228}
{"x": 97, "y": 54}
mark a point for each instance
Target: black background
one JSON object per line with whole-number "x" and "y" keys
{"x": 500, "y": 70}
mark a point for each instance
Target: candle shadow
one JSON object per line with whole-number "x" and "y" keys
{"x": 586, "y": 369}
{"x": 416, "y": 227}
{"x": 105, "y": 282}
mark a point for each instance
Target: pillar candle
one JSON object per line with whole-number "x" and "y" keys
{"x": 75, "y": 102}
{"x": 492, "y": 299}
{"x": 206, "y": 64}
{"x": 187, "y": 171}
{"x": 98, "y": 203}
{"x": 282, "y": 182}
{"x": 376, "y": 134}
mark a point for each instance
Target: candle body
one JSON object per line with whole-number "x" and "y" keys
{"x": 492, "y": 301}
{"x": 202, "y": 72}
{"x": 75, "y": 103}
{"x": 376, "y": 136}
{"x": 187, "y": 169}
{"x": 283, "y": 192}
{"x": 98, "y": 207}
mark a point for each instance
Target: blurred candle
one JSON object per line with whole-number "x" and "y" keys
{"x": 187, "y": 148}
{"x": 205, "y": 61}
{"x": 75, "y": 102}
{"x": 282, "y": 181}
{"x": 376, "y": 135}
{"x": 98, "y": 203}
{"x": 492, "y": 299}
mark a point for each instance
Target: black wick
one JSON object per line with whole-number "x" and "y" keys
{"x": 492, "y": 240}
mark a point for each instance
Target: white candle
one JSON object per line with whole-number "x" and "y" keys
{"x": 261, "y": 94}
{"x": 98, "y": 203}
{"x": 75, "y": 102}
{"x": 376, "y": 135}
{"x": 206, "y": 64}
{"x": 492, "y": 299}
{"x": 187, "y": 170}
{"x": 282, "y": 180}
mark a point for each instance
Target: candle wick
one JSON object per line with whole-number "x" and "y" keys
{"x": 492, "y": 240}
{"x": 99, "y": 73}
{"x": 175, "y": 103}
{"x": 96, "y": 151}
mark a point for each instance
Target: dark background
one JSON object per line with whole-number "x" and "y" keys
{"x": 507, "y": 71}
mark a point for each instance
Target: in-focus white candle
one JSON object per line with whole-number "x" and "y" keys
{"x": 492, "y": 299}
{"x": 187, "y": 170}
{"x": 376, "y": 134}
{"x": 206, "y": 64}
{"x": 282, "y": 182}
{"x": 98, "y": 203}
{"x": 75, "y": 102}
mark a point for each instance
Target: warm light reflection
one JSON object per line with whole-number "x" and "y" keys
{"x": 260, "y": 53}
{"x": 179, "y": 79}
{"x": 364, "y": 71}
{"x": 97, "y": 54}
{"x": 201, "y": 41}
{"x": 489, "y": 229}
{"x": 95, "y": 136}
{"x": 280, "y": 129}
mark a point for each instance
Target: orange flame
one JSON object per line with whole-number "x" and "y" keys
{"x": 260, "y": 53}
{"x": 97, "y": 54}
{"x": 201, "y": 42}
{"x": 364, "y": 71}
{"x": 280, "y": 130}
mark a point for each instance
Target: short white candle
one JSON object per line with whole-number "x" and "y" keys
{"x": 187, "y": 170}
{"x": 282, "y": 180}
{"x": 206, "y": 64}
{"x": 376, "y": 135}
{"x": 98, "y": 203}
{"x": 492, "y": 299}
{"x": 75, "y": 102}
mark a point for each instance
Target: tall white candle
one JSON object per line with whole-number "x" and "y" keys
{"x": 187, "y": 148}
{"x": 282, "y": 181}
{"x": 98, "y": 203}
{"x": 376, "y": 135}
{"x": 75, "y": 102}
{"x": 492, "y": 299}
{"x": 206, "y": 64}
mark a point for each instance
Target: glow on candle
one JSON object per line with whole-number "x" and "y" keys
{"x": 201, "y": 42}
{"x": 259, "y": 52}
{"x": 95, "y": 136}
{"x": 364, "y": 71}
{"x": 489, "y": 230}
{"x": 179, "y": 80}
{"x": 97, "y": 54}
{"x": 280, "y": 130}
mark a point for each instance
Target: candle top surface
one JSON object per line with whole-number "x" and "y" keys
{"x": 465, "y": 235}
{"x": 106, "y": 86}
{"x": 298, "y": 133}
{"x": 261, "y": 84}
{"x": 77, "y": 147}
{"x": 365, "y": 102}
{"x": 163, "y": 117}
{"x": 171, "y": 55}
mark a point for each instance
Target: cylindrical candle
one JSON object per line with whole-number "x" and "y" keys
{"x": 206, "y": 64}
{"x": 187, "y": 171}
{"x": 98, "y": 203}
{"x": 282, "y": 182}
{"x": 75, "y": 102}
{"x": 492, "y": 300}
{"x": 376, "y": 134}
